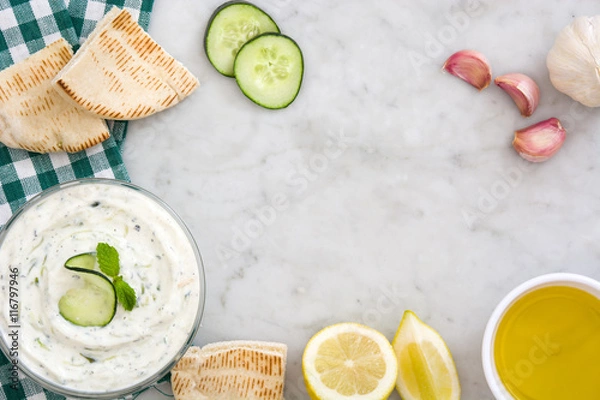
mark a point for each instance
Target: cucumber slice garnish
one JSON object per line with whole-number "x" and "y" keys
{"x": 230, "y": 26}
{"x": 269, "y": 70}
{"x": 85, "y": 260}
{"x": 94, "y": 304}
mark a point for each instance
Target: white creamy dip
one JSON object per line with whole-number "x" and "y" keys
{"x": 157, "y": 260}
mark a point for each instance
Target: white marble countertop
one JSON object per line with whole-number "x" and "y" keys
{"x": 387, "y": 185}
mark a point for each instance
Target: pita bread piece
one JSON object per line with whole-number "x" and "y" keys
{"x": 34, "y": 117}
{"x": 247, "y": 344}
{"x": 231, "y": 371}
{"x": 121, "y": 73}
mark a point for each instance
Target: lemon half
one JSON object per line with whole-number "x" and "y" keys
{"x": 349, "y": 360}
{"x": 426, "y": 369}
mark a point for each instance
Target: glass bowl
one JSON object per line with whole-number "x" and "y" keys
{"x": 153, "y": 243}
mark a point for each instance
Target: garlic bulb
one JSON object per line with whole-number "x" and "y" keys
{"x": 574, "y": 61}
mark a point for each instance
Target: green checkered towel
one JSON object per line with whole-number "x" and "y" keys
{"x": 27, "y": 26}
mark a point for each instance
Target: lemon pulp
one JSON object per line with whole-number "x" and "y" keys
{"x": 351, "y": 361}
{"x": 426, "y": 369}
{"x": 350, "y": 364}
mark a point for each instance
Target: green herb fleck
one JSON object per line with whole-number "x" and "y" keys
{"x": 90, "y": 359}
{"x": 108, "y": 259}
{"x": 42, "y": 345}
{"x": 125, "y": 293}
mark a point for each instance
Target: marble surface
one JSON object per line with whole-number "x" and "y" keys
{"x": 387, "y": 185}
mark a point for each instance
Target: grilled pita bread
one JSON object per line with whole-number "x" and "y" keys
{"x": 34, "y": 117}
{"x": 121, "y": 73}
{"x": 231, "y": 371}
{"x": 247, "y": 344}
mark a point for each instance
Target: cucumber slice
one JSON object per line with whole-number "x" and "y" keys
{"x": 85, "y": 260}
{"x": 269, "y": 70}
{"x": 94, "y": 304}
{"x": 229, "y": 27}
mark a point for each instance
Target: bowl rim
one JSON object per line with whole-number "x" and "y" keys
{"x": 492, "y": 377}
{"x": 155, "y": 377}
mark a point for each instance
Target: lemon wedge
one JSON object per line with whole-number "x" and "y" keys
{"x": 426, "y": 369}
{"x": 349, "y": 361}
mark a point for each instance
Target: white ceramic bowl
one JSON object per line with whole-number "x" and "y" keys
{"x": 557, "y": 279}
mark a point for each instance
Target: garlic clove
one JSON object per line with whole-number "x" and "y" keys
{"x": 471, "y": 66}
{"x": 540, "y": 141}
{"x": 522, "y": 89}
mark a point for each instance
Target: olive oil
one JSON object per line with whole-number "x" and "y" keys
{"x": 547, "y": 345}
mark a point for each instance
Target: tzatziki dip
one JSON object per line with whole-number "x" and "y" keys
{"x": 158, "y": 259}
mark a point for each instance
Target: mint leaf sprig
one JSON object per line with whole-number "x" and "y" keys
{"x": 125, "y": 293}
{"x": 108, "y": 261}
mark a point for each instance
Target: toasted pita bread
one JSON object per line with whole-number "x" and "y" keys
{"x": 121, "y": 73}
{"x": 34, "y": 117}
{"x": 247, "y": 344}
{"x": 231, "y": 371}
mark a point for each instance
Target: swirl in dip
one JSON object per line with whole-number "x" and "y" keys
{"x": 158, "y": 259}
